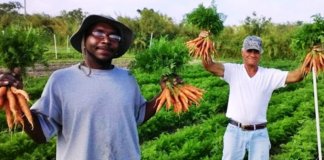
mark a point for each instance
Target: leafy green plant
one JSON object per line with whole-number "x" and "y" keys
{"x": 198, "y": 133}
{"x": 309, "y": 35}
{"x": 21, "y": 47}
{"x": 163, "y": 55}
{"x": 206, "y": 18}
{"x": 302, "y": 145}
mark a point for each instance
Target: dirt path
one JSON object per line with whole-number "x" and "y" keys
{"x": 40, "y": 70}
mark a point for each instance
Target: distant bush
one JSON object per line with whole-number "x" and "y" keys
{"x": 22, "y": 47}
{"x": 163, "y": 55}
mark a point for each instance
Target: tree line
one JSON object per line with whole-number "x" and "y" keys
{"x": 288, "y": 40}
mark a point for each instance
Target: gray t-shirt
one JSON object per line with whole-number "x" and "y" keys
{"x": 95, "y": 117}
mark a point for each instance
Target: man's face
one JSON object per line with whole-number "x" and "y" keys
{"x": 251, "y": 57}
{"x": 102, "y": 42}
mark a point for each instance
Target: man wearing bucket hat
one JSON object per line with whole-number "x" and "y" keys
{"x": 93, "y": 107}
{"x": 251, "y": 87}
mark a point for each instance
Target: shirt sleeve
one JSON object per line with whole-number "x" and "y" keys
{"x": 228, "y": 70}
{"x": 140, "y": 103}
{"x": 49, "y": 126}
{"x": 48, "y": 110}
{"x": 278, "y": 78}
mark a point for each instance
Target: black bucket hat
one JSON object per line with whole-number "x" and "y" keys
{"x": 125, "y": 33}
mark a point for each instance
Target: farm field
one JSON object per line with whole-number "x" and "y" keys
{"x": 198, "y": 134}
{"x": 34, "y": 45}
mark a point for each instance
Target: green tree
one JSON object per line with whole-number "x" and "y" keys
{"x": 9, "y": 14}
{"x": 76, "y": 15}
{"x": 276, "y": 42}
{"x": 229, "y": 42}
{"x": 308, "y": 35}
{"x": 42, "y": 21}
{"x": 69, "y": 21}
{"x": 39, "y": 21}
{"x": 11, "y": 7}
{"x": 140, "y": 41}
{"x": 155, "y": 24}
{"x": 256, "y": 25}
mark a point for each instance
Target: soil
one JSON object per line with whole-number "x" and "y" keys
{"x": 40, "y": 70}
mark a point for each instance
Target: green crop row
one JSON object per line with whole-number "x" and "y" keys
{"x": 198, "y": 133}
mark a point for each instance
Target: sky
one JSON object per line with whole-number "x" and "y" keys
{"x": 280, "y": 11}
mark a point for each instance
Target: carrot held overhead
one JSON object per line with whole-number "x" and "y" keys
{"x": 202, "y": 47}
{"x": 314, "y": 58}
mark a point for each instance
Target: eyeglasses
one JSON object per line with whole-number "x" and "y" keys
{"x": 101, "y": 35}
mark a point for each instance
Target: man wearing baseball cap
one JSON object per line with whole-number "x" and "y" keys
{"x": 93, "y": 107}
{"x": 251, "y": 87}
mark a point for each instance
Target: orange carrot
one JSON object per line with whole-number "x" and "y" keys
{"x": 1, "y": 102}
{"x": 25, "y": 108}
{"x": 177, "y": 104}
{"x": 9, "y": 116}
{"x": 194, "y": 90}
{"x": 3, "y": 91}
{"x": 202, "y": 47}
{"x": 20, "y": 91}
{"x": 184, "y": 101}
{"x": 12, "y": 103}
{"x": 321, "y": 61}
{"x": 307, "y": 63}
{"x": 190, "y": 95}
{"x": 161, "y": 99}
{"x": 169, "y": 99}
{"x": 18, "y": 120}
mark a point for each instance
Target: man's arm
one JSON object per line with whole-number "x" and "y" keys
{"x": 294, "y": 76}
{"x": 150, "y": 108}
{"x": 151, "y": 105}
{"x": 214, "y": 67}
{"x": 35, "y": 132}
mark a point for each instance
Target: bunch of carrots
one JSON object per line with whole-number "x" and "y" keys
{"x": 314, "y": 58}
{"x": 15, "y": 103}
{"x": 180, "y": 96}
{"x": 202, "y": 46}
